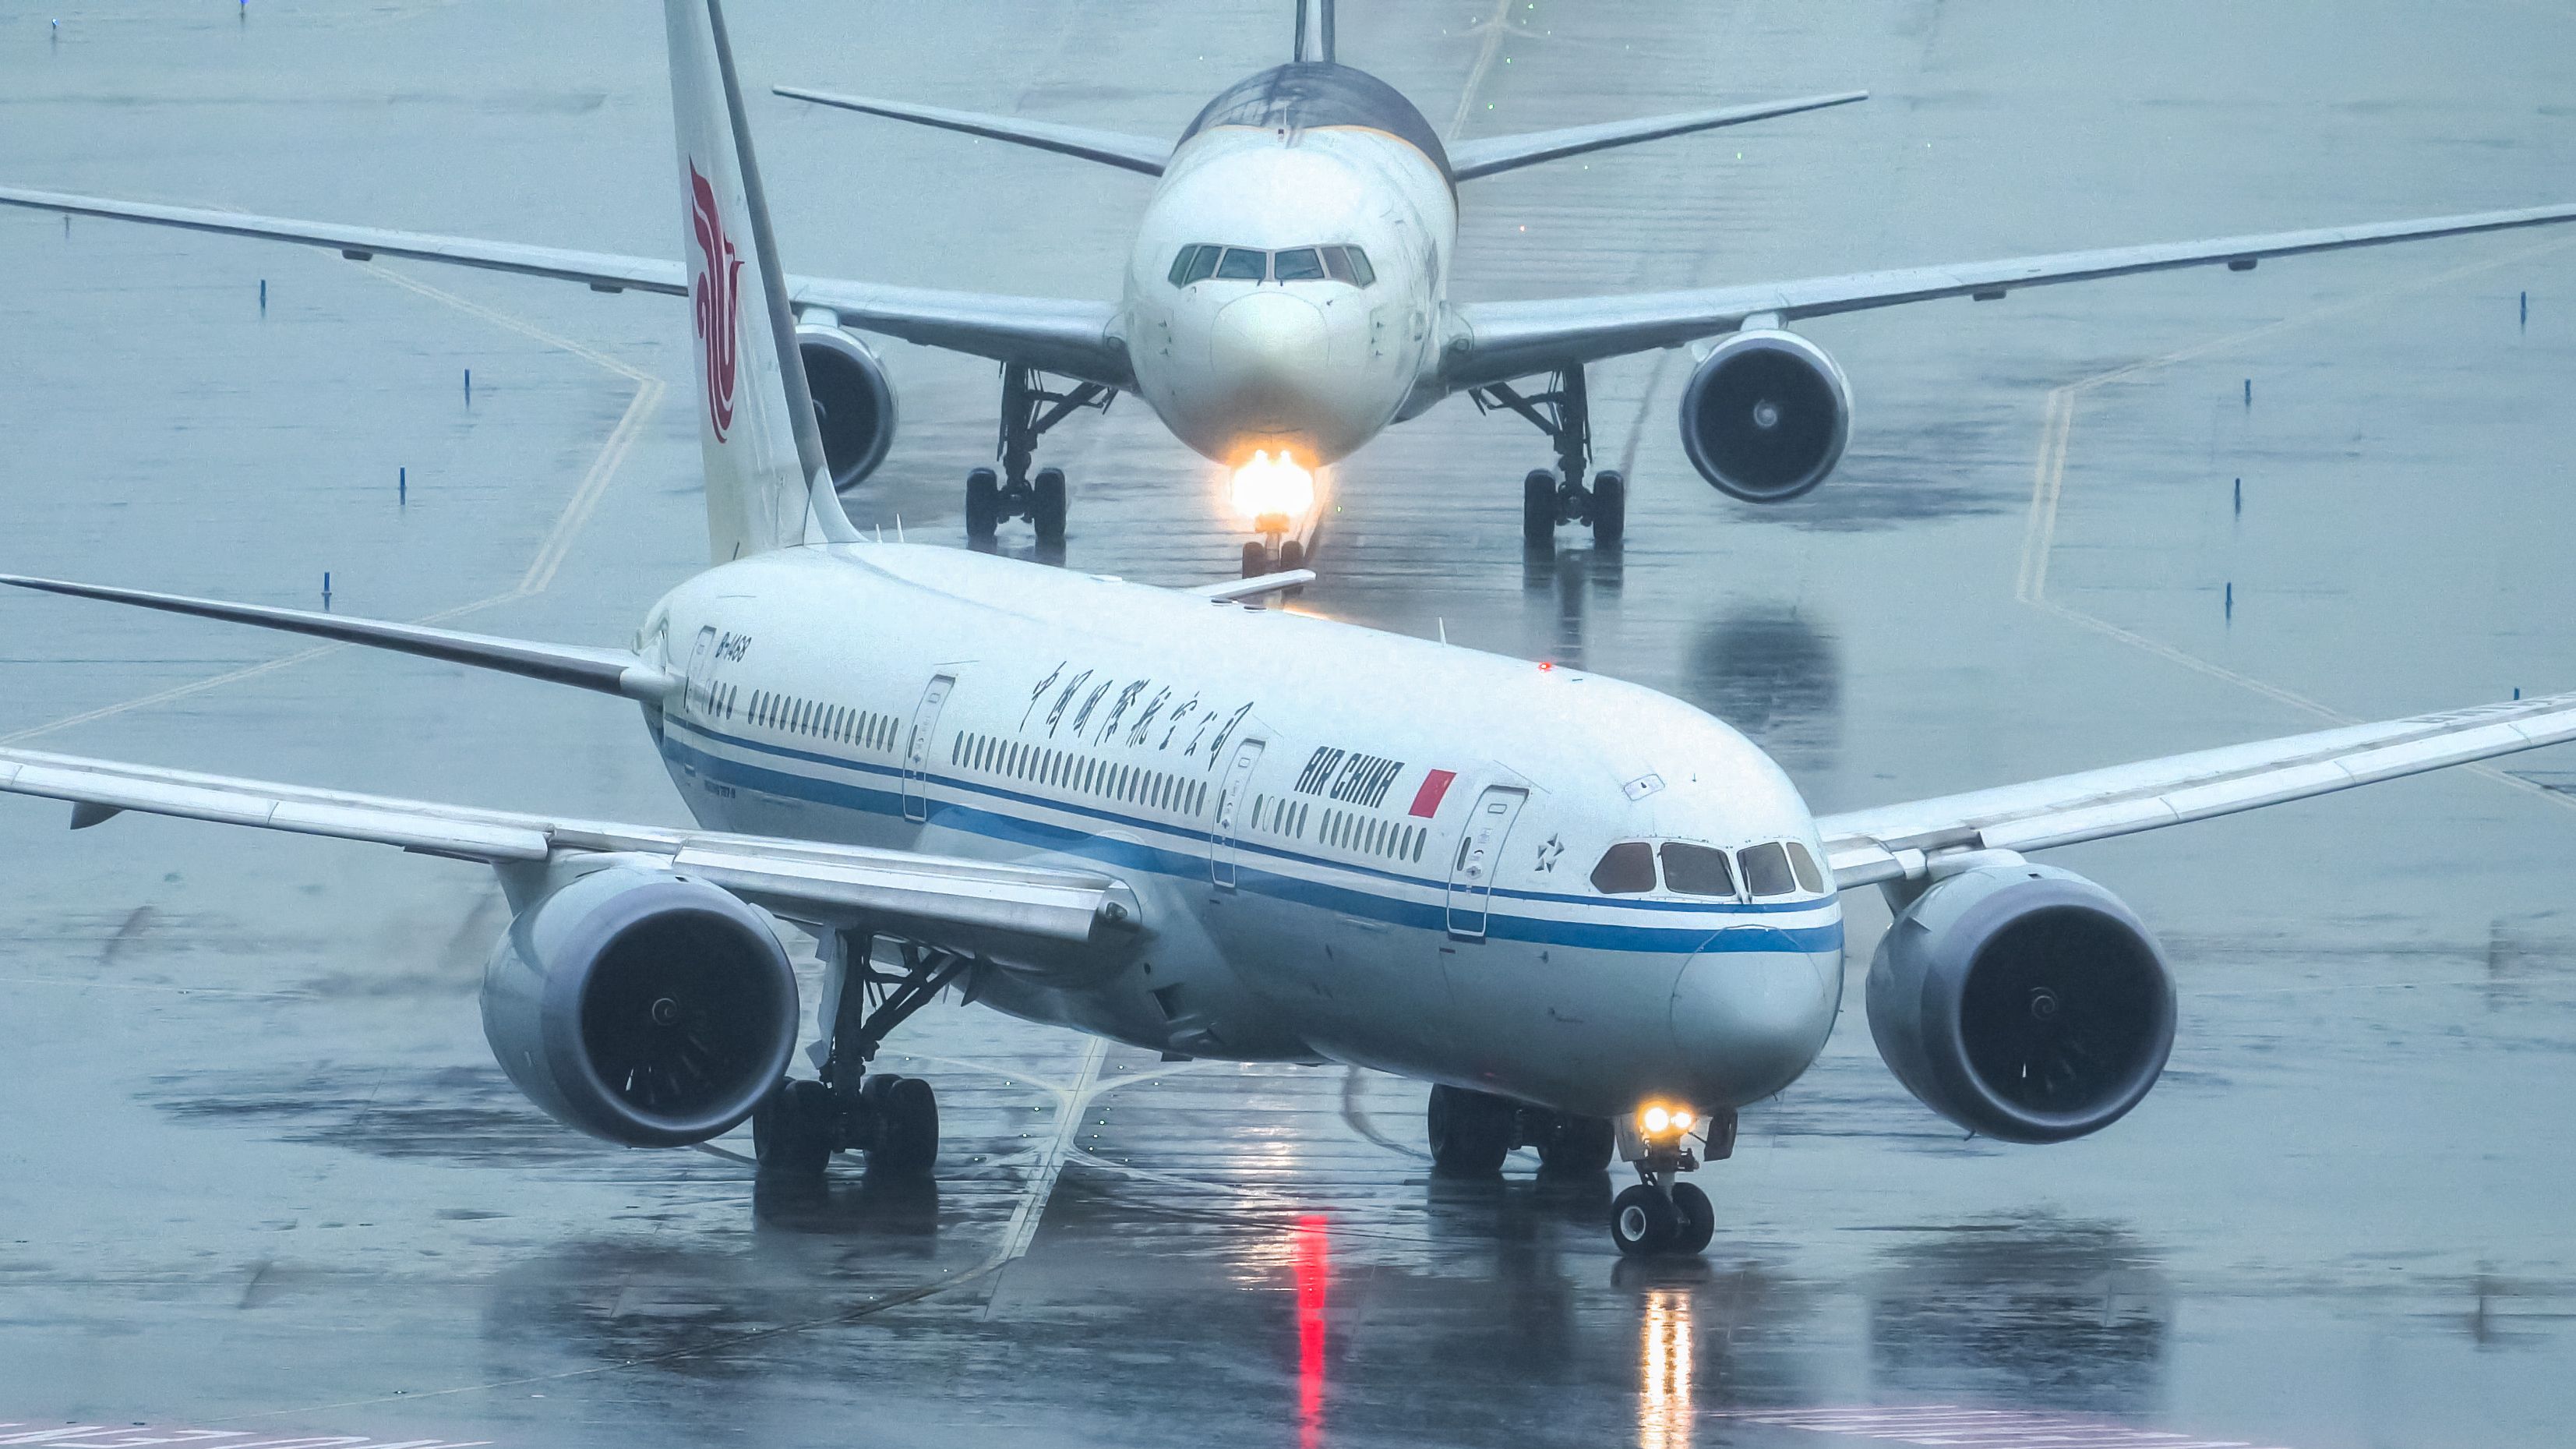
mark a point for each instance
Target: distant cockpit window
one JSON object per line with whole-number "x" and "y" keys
{"x": 1766, "y": 870}
{"x": 1349, "y": 264}
{"x": 1697, "y": 870}
{"x": 1626, "y": 869}
{"x": 1809, "y": 878}
{"x": 1298, "y": 265}
{"x": 1243, "y": 264}
{"x": 1195, "y": 263}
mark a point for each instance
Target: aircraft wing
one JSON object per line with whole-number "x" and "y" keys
{"x": 1892, "y": 842}
{"x": 1499, "y": 341}
{"x": 1471, "y": 159}
{"x": 943, "y": 897}
{"x": 1110, "y": 148}
{"x": 1069, "y": 337}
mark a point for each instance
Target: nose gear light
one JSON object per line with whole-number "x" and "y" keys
{"x": 1273, "y": 488}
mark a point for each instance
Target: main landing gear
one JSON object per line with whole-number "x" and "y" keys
{"x": 894, "y": 1120}
{"x": 1028, "y": 410}
{"x": 1472, "y": 1132}
{"x": 1564, "y": 413}
{"x": 1663, "y": 1214}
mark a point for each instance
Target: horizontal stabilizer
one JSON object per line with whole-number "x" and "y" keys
{"x": 1109, "y": 148}
{"x": 1471, "y": 159}
{"x": 610, "y": 671}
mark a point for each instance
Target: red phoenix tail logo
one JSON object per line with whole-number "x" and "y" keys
{"x": 717, "y": 291}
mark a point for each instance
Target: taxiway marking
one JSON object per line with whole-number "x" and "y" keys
{"x": 1949, "y": 1424}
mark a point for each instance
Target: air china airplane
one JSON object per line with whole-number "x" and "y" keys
{"x": 1286, "y": 300}
{"x": 1596, "y": 919}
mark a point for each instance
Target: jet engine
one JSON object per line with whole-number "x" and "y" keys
{"x": 647, "y": 1008}
{"x": 1765, "y": 415}
{"x": 2022, "y": 1002}
{"x": 853, "y": 401}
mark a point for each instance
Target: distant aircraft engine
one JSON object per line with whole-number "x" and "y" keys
{"x": 1765, "y": 416}
{"x": 647, "y": 1008}
{"x": 2022, "y": 1002}
{"x": 853, "y": 401}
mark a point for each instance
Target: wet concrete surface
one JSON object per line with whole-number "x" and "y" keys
{"x": 260, "y": 1177}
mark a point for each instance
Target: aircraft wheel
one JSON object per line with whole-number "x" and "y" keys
{"x": 1471, "y": 1132}
{"x": 1698, "y": 1218}
{"x": 1292, "y": 555}
{"x": 791, "y": 1129}
{"x": 983, "y": 505}
{"x": 1643, "y": 1222}
{"x": 907, "y": 1114}
{"x": 1577, "y": 1146}
{"x": 1256, "y": 558}
{"x": 1609, "y": 508}
{"x": 1047, "y": 504}
{"x": 1538, "y": 511}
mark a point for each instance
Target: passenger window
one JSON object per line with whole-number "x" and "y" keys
{"x": 1766, "y": 870}
{"x": 1298, "y": 265}
{"x": 1697, "y": 870}
{"x": 1202, "y": 264}
{"x": 1809, "y": 878}
{"x": 1626, "y": 869}
{"x": 1362, "y": 274}
{"x": 1242, "y": 264}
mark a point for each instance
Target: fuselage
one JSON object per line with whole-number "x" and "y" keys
{"x": 1311, "y": 319}
{"x": 1345, "y": 845}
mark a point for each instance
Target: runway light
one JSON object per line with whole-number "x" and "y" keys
{"x": 1656, "y": 1120}
{"x": 1268, "y": 488}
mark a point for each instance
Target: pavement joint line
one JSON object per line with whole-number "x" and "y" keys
{"x": 1023, "y": 1227}
{"x": 541, "y": 569}
{"x": 1495, "y": 31}
{"x": 2048, "y": 488}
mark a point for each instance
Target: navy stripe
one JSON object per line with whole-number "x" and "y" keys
{"x": 1192, "y": 864}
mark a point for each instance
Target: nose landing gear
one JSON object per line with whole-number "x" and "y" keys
{"x": 1663, "y": 1214}
{"x": 1028, "y": 411}
{"x": 1564, "y": 413}
{"x": 894, "y": 1120}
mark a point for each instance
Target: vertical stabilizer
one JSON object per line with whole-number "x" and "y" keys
{"x": 768, "y": 486}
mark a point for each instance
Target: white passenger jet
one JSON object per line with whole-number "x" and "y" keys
{"x": 1286, "y": 299}
{"x": 1598, "y": 920}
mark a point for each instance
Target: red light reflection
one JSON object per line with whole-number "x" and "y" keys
{"x": 1311, "y": 1255}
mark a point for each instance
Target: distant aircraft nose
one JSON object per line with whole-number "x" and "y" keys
{"x": 1748, "y": 1017}
{"x": 1267, "y": 358}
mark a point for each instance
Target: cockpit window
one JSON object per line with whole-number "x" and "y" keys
{"x": 1349, "y": 264}
{"x": 1697, "y": 870}
{"x": 1243, "y": 264}
{"x": 1766, "y": 870}
{"x": 1195, "y": 263}
{"x": 1809, "y": 878}
{"x": 1626, "y": 869}
{"x": 1300, "y": 264}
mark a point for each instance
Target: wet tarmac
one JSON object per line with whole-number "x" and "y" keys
{"x": 260, "y": 1179}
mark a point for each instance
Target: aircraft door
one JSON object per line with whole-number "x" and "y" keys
{"x": 1480, "y": 851}
{"x": 1229, "y": 806}
{"x": 916, "y": 754}
{"x": 701, "y": 683}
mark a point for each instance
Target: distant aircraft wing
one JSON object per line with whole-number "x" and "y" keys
{"x": 1130, "y": 153}
{"x": 1498, "y": 341}
{"x": 943, "y": 898}
{"x": 1893, "y": 842}
{"x": 1471, "y": 159}
{"x": 1072, "y": 338}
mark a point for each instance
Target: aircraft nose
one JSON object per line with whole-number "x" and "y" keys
{"x": 1267, "y": 353}
{"x": 1747, "y": 1017}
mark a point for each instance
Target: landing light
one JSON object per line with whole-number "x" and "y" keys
{"x": 1273, "y": 488}
{"x": 1656, "y": 1120}
{"x": 1663, "y": 1123}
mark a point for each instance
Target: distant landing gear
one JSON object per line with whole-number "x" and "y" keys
{"x": 1260, "y": 558}
{"x": 1028, "y": 411}
{"x": 1564, "y": 413}
{"x": 1662, "y": 1214}
{"x": 894, "y": 1120}
{"x": 1472, "y": 1132}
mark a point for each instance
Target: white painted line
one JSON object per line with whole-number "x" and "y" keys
{"x": 1075, "y": 1101}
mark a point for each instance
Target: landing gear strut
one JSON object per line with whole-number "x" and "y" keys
{"x": 894, "y": 1120}
{"x": 1028, "y": 411}
{"x": 1564, "y": 413}
{"x": 1663, "y": 1214}
{"x": 1472, "y": 1132}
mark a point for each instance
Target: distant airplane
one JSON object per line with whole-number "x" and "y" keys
{"x": 1598, "y": 920}
{"x": 1287, "y": 299}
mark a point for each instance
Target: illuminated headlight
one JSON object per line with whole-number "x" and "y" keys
{"x": 1273, "y": 488}
{"x": 1657, "y": 1121}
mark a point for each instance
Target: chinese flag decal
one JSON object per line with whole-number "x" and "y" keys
{"x": 1426, "y": 801}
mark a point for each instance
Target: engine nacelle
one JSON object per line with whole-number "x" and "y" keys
{"x": 1765, "y": 416}
{"x": 650, "y": 1009}
{"x": 2022, "y": 1002}
{"x": 853, "y": 401}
